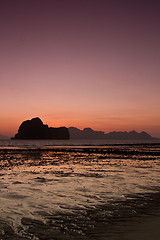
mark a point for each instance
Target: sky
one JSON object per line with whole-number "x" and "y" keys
{"x": 88, "y": 63}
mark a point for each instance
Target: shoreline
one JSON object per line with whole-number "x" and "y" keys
{"x": 59, "y": 202}
{"x": 67, "y": 144}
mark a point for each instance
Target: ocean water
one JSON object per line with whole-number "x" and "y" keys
{"x": 65, "y": 189}
{"x": 50, "y": 143}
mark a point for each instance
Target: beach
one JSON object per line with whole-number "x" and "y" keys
{"x": 142, "y": 227}
{"x": 80, "y": 192}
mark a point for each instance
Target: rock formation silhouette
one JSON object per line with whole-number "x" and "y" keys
{"x": 35, "y": 129}
{"x": 89, "y": 134}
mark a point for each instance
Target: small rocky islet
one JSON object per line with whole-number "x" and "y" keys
{"x": 35, "y": 129}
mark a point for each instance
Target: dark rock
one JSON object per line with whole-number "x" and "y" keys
{"x": 35, "y": 129}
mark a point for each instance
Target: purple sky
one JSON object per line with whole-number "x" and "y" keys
{"x": 80, "y": 63}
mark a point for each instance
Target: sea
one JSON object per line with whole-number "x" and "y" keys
{"x": 76, "y": 189}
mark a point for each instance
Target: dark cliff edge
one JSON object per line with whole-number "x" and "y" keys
{"x": 90, "y": 134}
{"x": 35, "y": 129}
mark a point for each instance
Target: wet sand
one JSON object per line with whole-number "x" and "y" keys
{"x": 80, "y": 194}
{"x": 141, "y": 222}
{"x": 145, "y": 229}
{"x": 142, "y": 228}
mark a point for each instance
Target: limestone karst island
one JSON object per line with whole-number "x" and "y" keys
{"x": 35, "y": 129}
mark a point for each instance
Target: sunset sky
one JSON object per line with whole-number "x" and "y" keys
{"x": 82, "y": 63}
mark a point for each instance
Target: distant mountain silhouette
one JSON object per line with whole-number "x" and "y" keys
{"x": 35, "y": 129}
{"x": 88, "y": 133}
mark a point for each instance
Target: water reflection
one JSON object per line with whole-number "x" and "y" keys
{"x": 96, "y": 184}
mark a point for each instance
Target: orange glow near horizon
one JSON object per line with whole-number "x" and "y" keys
{"x": 10, "y": 128}
{"x": 80, "y": 64}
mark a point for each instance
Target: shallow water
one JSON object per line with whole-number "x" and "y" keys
{"x": 70, "y": 189}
